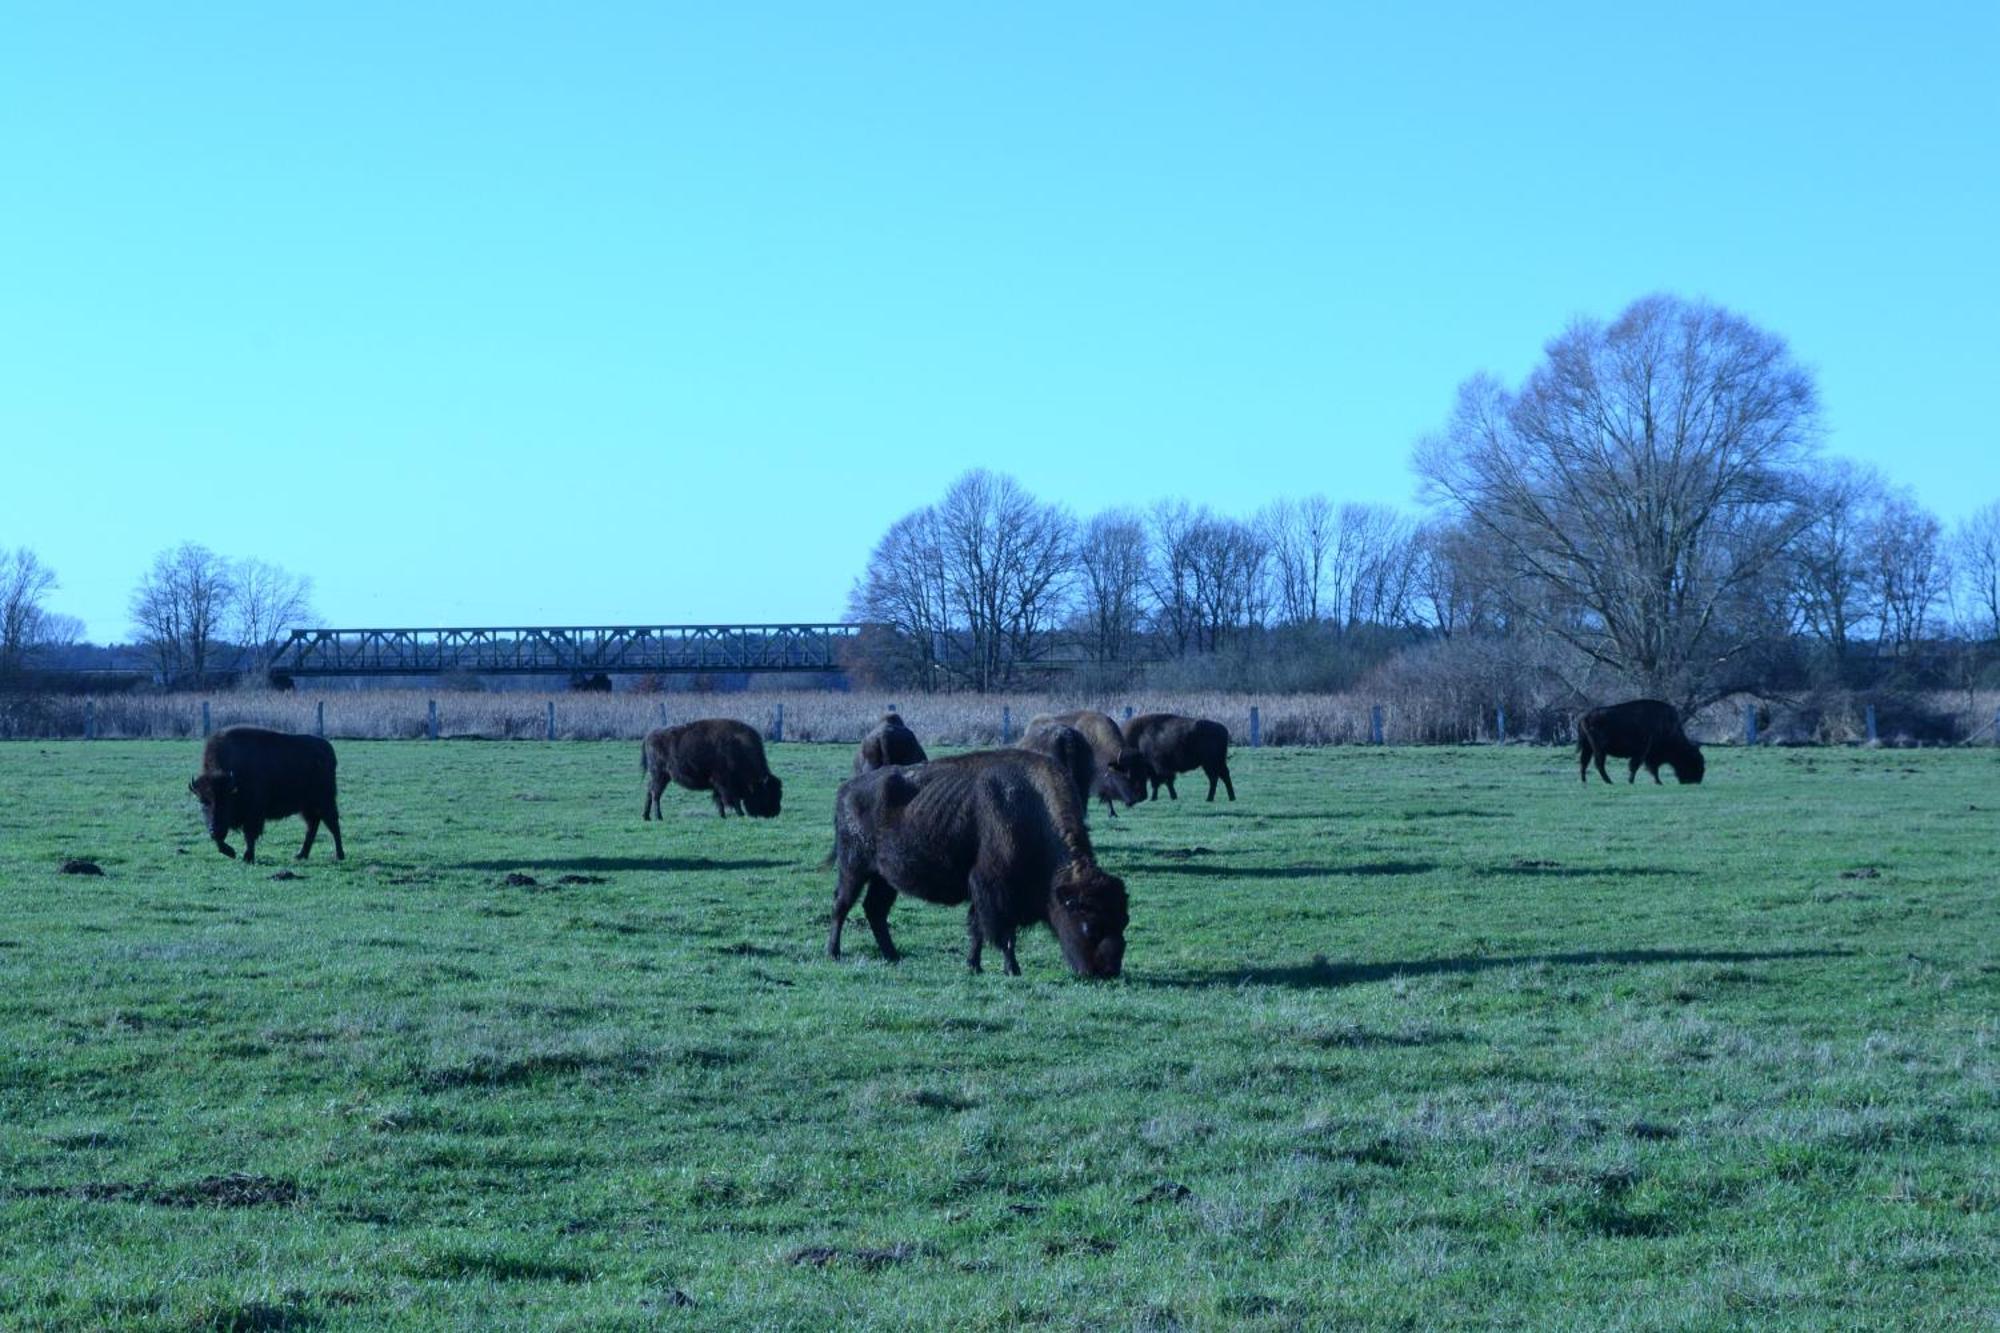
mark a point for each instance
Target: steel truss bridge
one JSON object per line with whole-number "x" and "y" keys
{"x": 575, "y": 650}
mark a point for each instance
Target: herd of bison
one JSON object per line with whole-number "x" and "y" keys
{"x": 1000, "y": 830}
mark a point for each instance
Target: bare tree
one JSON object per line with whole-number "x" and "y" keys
{"x": 1828, "y": 566}
{"x": 267, "y": 600}
{"x": 1640, "y": 478}
{"x": 1376, "y": 563}
{"x": 1300, "y": 535}
{"x": 1226, "y": 567}
{"x": 1111, "y": 577}
{"x": 26, "y": 625}
{"x": 1909, "y": 574}
{"x": 180, "y": 609}
{"x": 1976, "y": 558}
{"x": 904, "y": 587}
{"x": 1175, "y": 532}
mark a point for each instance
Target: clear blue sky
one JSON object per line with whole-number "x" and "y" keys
{"x": 490, "y": 313}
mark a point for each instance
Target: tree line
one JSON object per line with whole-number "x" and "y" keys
{"x": 196, "y": 614}
{"x": 1649, "y": 511}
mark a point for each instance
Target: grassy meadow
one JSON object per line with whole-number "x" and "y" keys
{"x": 1408, "y": 1038}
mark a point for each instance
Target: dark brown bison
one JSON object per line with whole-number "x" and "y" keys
{"x": 1646, "y": 731}
{"x": 1174, "y": 744}
{"x": 999, "y": 829}
{"x": 1122, "y": 772}
{"x": 1071, "y": 751}
{"x": 891, "y": 742}
{"x": 250, "y": 776}
{"x": 721, "y": 757}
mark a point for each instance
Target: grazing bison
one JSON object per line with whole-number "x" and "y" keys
{"x": 1646, "y": 731}
{"x": 1174, "y": 744}
{"x": 718, "y": 756}
{"x": 1071, "y": 751}
{"x": 891, "y": 742}
{"x": 1122, "y": 772}
{"x": 1000, "y": 829}
{"x": 250, "y": 776}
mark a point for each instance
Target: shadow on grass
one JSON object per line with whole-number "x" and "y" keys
{"x": 1222, "y": 870}
{"x": 1322, "y": 974}
{"x": 690, "y": 863}
{"x": 1584, "y": 872}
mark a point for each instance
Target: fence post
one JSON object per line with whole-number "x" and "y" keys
{"x": 778, "y": 724}
{"x": 1006, "y": 725}
{"x": 204, "y": 717}
{"x": 1500, "y": 725}
{"x": 1996, "y": 726}
{"x": 1128, "y": 712}
{"x": 1871, "y": 724}
{"x": 431, "y": 727}
{"x": 1375, "y": 725}
{"x": 663, "y": 712}
{"x": 319, "y": 718}
{"x": 552, "y": 719}
{"x": 1256, "y": 727}
{"x": 90, "y": 719}
{"x": 1749, "y": 724}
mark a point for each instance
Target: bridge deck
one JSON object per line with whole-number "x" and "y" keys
{"x": 546, "y": 650}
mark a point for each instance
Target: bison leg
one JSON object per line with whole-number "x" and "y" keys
{"x": 332, "y": 814}
{"x": 223, "y": 847}
{"x": 1227, "y": 782}
{"x": 1583, "y": 762}
{"x": 846, "y": 890}
{"x": 975, "y": 939}
{"x": 1600, "y": 769}
{"x": 312, "y": 831}
{"x": 1172, "y": 793}
{"x": 721, "y": 806}
{"x": 655, "y": 784}
{"x": 875, "y": 906}
{"x": 252, "y": 830}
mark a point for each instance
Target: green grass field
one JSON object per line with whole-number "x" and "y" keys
{"x": 1407, "y": 1038}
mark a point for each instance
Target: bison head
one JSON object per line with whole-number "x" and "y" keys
{"x": 763, "y": 798}
{"x": 1688, "y": 764}
{"x": 1089, "y": 917}
{"x": 1129, "y": 777}
{"x": 217, "y": 791}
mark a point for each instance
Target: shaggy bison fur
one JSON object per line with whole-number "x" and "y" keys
{"x": 250, "y": 776}
{"x": 1071, "y": 751}
{"x": 1646, "y": 731}
{"x": 1122, "y": 772}
{"x": 1001, "y": 830}
{"x": 1174, "y": 744}
{"x": 891, "y": 742}
{"x": 721, "y": 757}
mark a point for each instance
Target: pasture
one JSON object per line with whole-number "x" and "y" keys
{"x": 1407, "y": 1038}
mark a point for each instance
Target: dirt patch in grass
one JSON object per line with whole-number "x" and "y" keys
{"x": 825, "y": 1256}
{"x": 79, "y": 865}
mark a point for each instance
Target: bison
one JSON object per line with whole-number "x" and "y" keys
{"x": 1646, "y": 731}
{"x": 999, "y": 829}
{"x": 717, "y": 755}
{"x": 1174, "y": 744}
{"x": 891, "y": 742}
{"x": 250, "y": 776}
{"x": 1071, "y": 751}
{"x": 1122, "y": 772}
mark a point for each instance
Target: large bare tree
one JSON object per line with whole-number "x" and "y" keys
{"x": 904, "y": 587}
{"x": 25, "y": 622}
{"x": 1909, "y": 573}
{"x": 1641, "y": 480}
{"x": 1111, "y": 579}
{"x": 181, "y": 609}
{"x": 1828, "y": 563}
{"x": 267, "y": 600}
{"x": 1976, "y": 559}
{"x": 1300, "y": 535}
